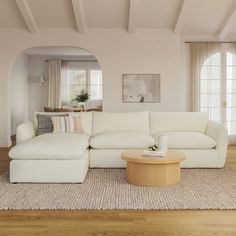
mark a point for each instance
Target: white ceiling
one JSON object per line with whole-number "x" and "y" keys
{"x": 106, "y": 13}
{"x": 52, "y": 13}
{"x": 216, "y": 18}
{"x": 157, "y": 13}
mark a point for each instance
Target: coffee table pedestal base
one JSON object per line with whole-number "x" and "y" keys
{"x": 153, "y": 175}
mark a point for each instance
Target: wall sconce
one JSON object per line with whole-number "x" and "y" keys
{"x": 41, "y": 80}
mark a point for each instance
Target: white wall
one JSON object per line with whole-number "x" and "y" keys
{"x": 19, "y": 92}
{"x": 143, "y": 54}
{"x": 38, "y": 95}
{"x": 146, "y": 51}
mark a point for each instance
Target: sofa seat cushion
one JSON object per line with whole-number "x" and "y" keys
{"x": 188, "y": 140}
{"x": 61, "y": 146}
{"x": 121, "y": 140}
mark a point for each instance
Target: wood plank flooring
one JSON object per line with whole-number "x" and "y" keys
{"x": 163, "y": 223}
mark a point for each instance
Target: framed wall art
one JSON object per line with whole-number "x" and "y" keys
{"x": 141, "y": 88}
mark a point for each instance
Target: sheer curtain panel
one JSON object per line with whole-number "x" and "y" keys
{"x": 54, "y": 75}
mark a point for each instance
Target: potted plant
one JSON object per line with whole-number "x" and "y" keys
{"x": 81, "y": 98}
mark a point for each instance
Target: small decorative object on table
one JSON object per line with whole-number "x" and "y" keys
{"x": 81, "y": 98}
{"x": 161, "y": 150}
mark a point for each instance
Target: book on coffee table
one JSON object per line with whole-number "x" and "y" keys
{"x": 158, "y": 153}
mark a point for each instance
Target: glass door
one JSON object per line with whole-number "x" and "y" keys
{"x": 218, "y": 89}
{"x": 211, "y": 87}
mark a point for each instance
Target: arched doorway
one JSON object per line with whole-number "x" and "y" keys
{"x": 30, "y": 80}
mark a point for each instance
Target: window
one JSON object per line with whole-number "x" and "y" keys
{"x": 95, "y": 84}
{"x": 218, "y": 88}
{"x": 210, "y": 87}
{"x": 76, "y": 80}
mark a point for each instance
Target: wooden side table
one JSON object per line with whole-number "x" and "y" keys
{"x": 153, "y": 171}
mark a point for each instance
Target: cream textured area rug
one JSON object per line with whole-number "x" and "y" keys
{"x": 108, "y": 189}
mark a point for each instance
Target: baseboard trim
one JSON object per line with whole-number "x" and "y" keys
{"x": 5, "y": 144}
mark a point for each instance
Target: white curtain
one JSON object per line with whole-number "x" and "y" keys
{"x": 65, "y": 86}
{"x": 199, "y": 51}
{"x": 54, "y": 75}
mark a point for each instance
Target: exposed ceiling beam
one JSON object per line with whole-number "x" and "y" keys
{"x": 180, "y": 19}
{"x": 227, "y": 25}
{"x": 79, "y": 15}
{"x": 27, "y": 15}
{"x": 132, "y": 16}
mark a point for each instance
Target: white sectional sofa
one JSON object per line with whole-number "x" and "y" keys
{"x": 66, "y": 157}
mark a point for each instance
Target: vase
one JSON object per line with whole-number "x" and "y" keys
{"x": 81, "y": 105}
{"x": 163, "y": 144}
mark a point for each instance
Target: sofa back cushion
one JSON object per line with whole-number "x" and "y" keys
{"x": 85, "y": 117}
{"x": 178, "y": 121}
{"x": 127, "y": 121}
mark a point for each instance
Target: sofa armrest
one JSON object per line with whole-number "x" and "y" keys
{"x": 24, "y": 132}
{"x": 220, "y": 134}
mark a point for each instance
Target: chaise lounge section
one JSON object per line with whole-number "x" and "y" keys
{"x": 51, "y": 157}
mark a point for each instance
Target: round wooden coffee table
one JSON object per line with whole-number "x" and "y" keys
{"x": 153, "y": 171}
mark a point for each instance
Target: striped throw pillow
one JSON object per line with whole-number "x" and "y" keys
{"x": 45, "y": 123}
{"x": 66, "y": 124}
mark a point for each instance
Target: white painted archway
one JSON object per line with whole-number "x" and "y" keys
{"x": 21, "y": 87}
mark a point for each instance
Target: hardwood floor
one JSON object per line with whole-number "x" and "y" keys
{"x": 163, "y": 223}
